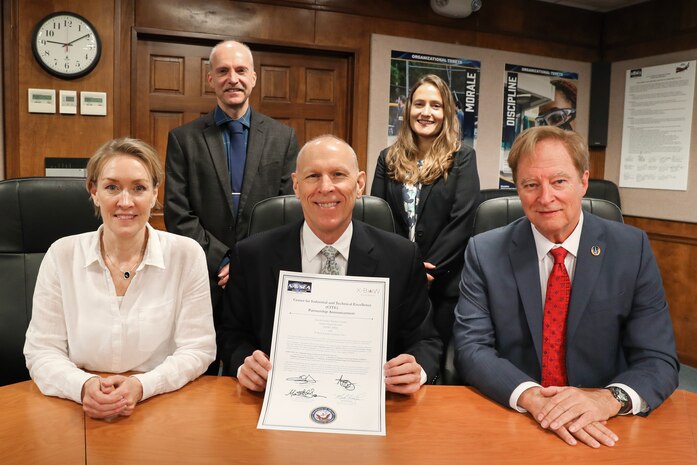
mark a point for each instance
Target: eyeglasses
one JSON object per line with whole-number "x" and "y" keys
{"x": 556, "y": 117}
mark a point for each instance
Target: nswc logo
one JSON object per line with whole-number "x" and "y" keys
{"x": 635, "y": 73}
{"x": 299, "y": 286}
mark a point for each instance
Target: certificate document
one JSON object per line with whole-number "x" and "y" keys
{"x": 328, "y": 350}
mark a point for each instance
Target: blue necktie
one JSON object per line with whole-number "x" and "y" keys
{"x": 237, "y": 154}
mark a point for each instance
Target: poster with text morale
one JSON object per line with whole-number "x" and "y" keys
{"x": 534, "y": 97}
{"x": 657, "y": 126}
{"x": 461, "y": 75}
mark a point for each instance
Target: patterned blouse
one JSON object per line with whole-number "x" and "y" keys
{"x": 410, "y": 196}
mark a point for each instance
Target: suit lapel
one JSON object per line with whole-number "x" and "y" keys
{"x": 216, "y": 150}
{"x": 255, "y": 148}
{"x": 587, "y": 270}
{"x": 394, "y": 190}
{"x": 423, "y": 196}
{"x": 523, "y": 256}
{"x": 361, "y": 260}
{"x": 288, "y": 256}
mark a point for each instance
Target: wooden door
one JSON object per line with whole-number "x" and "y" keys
{"x": 306, "y": 90}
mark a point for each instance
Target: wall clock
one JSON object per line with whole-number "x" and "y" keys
{"x": 66, "y": 45}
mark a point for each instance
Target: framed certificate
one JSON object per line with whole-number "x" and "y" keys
{"x": 328, "y": 350}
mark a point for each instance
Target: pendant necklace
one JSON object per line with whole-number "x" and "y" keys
{"x": 128, "y": 273}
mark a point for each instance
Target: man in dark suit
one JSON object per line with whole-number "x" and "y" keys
{"x": 563, "y": 314}
{"x": 327, "y": 182}
{"x": 201, "y": 198}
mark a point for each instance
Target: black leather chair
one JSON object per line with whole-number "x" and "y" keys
{"x": 494, "y": 213}
{"x": 35, "y": 212}
{"x": 277, "y": 211}
{"x": 604, "y": 189}
{"x": 597, "y": 189}
{"x": 487, "y": 194}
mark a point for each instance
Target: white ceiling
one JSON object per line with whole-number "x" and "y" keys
{"x": 596, "y": 5}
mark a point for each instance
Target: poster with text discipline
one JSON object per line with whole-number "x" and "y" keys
{"x": 534, "y": 97}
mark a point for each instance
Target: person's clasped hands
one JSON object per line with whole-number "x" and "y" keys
{"x": 112, "y": 396}
{"x": 573, "y": 414}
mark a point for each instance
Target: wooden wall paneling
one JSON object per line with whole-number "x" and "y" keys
{"x": 519, "y": 18}
{"x": 597, "y": 163}
{"x": 42, "y": 135}
{"x": 10, "y": 82}
{"x": 229, "y": 19}
{"x": 675, "y": 247}
{"x": 330, "y": 32}
{"x": 124, "y": 57}
{"x": 533, "y": 46}
{"x": 651, "y": 28}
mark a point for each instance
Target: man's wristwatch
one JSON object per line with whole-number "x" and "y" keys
{"x": 623, "y": 398}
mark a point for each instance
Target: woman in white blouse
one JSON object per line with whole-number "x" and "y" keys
{"x": 125, "y": 298}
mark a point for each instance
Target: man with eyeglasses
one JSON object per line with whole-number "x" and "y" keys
{"x": 560, "y": 112}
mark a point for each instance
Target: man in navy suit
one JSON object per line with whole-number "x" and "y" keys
{"x": 199, "y": 199}
{"x": 616, "y": 352}
{"x": 327, "y": 182}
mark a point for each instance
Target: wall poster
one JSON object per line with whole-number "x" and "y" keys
{"x": 534, "y": 97}
{"x": 460, "y": 74}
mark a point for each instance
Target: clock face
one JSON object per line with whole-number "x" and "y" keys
{"x": 66, "y": 45}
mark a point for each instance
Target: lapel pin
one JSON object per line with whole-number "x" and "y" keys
{"x": 595, "y": 250}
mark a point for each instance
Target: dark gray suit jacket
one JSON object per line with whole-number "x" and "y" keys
{"x": 249, "y": 299}
{"x": 618, "y": 327}
{"x": 197, "y": 188}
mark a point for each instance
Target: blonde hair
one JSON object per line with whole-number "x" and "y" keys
{"x": 403, "y": 155}
{"x": 125, "y": 146}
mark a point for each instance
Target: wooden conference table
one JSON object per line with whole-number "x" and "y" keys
{"x": 213, "y": 420}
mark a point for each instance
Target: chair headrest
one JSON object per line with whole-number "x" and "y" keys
{"x": 497, "y": 212}
{"x": 277, "y": 211}
{"x": 38, "y": 211}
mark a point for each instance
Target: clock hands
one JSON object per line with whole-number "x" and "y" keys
{"x": 75, "y": 40}
{"x": 67, "y": 44}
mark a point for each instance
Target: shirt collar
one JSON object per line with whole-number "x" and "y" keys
{"x": 313, "y": 244}
{"x": 152, "y": 256}
{"x": 544, "y": 245}
{"x": 221, "y": 118}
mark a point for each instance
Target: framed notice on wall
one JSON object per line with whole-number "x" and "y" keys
{"x": 657, "y": 123}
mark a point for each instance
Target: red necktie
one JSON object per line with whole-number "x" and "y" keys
{"x": 554, "y": 323}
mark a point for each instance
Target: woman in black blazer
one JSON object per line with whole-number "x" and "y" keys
{"x": 431, "y": 183}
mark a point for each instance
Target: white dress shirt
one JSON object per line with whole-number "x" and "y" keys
{"x": 546, "y": 263}
{"x": 162, "y": 326}
{"x": 311, "y": 245}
